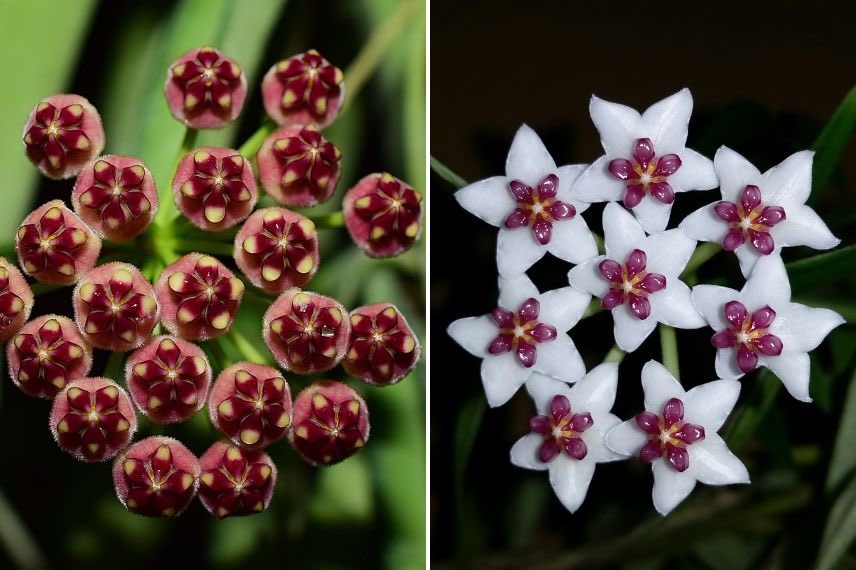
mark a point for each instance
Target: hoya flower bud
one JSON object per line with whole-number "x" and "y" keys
{"x": 205, "y": 89}
{"x": 298, "y": 167}
{"x": 92, "y": 419}
{"x": 306, "y": 332}
{"x": 235, "y": 482}
{"x": 199, "y": 296}
{"x": 156, "y": 477}
{"x": 251, "y": 404}
{"x": 304, "y": 89}
{"x": 168, "y": 379}
{"x": 115, "y": 307}
{"x": 55, "y": 246}
{"x": 62, "y": 134}
{"x": 383, "y": 348}
{"x": 46, "y": 355}
{"x": 214, "y": 188}
{"x": 277, "y": 249}
{"x": 16, "y": 300}
{"x": 383, "y": 215}
{"x": 116, "y": 196}
{"x": 331, "y": 422}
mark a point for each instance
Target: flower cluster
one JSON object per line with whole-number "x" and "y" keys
{"x": 538, "y": 208}
{"x": 195, "y": 295}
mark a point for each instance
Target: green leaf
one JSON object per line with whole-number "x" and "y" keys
{"x": 822, "y": 269}
{"x": 831, "y": 144}
{"x": 446, "y": 174}
{"x": 840, "y": 530}
{"x": 843, "y": 462}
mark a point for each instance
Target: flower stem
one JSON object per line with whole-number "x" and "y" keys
{"x": 114, "y": 366}
{"x": 669, "y": 347}
{"x": 203, "y": 246}
{"x": 329, "y": 221}
{"x": 447, "y": 174}
{"x": 701, "y": 254}
{"x": 247, "y": 349}
{"x": 251, "y": 147}
{"x": 615, "y": 355}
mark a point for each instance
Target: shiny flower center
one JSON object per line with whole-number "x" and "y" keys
{"x": 208, "y": 81}
{"x": 561, "y": 430}
{"x": 236, "y": 486}
{"x": 379, "y": 341}
{"x": 332, "y": 431}
{"x": 538, "y": 208}
{"x": 646, "y": 173}
{"x": 116, "y": 308}
{"x": 309, "y": 332}
{"x": 256, "y": 409}
{"x": 207, "y": 296}
{"x": 51, "y": 244}
{"x": 748, "y": 334}
{"x": 46, "y": 358}
{"x": 217, "y": 183}
{"x": 307, "y": 157}
{"x": 392, "y": 210}
{"x": 56, "y": 133}
{"x": 93, "y": 421}
{"x": 156, "y": 486}
{"x": 521, "y": 332}
{"x": 631, "y": 282}
{"x": 282, "y": 246}
{"x": 668, "y": 435}
{"x": 310, "y": 82}
{"x": 117, "y": 194}
{"x": 749, "y": 221}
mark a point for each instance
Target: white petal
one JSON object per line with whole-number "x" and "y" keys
{"x": 528, "y": 160}
{"x": 622, "y": 233}
{"x": 474, "y": 334}
{"x": 595, "y": 438}
{"x": 670, "y": 486}
{"x": 704, "y": 225}
{"x": 793, "y": 370}
{"x": 668, "y": 252}
{"x": 659, "y": 386}
{"x": 596, "y": 184}
{"x": 559, "y": 358}
{"x": 710, "y": 403}
{"x": 502, "y": 375}
{"x": 524, "y": 453}
{"x": 768, "y": 284}
{"x": 734, "y": 173}
{"x": 710, "y": 300}
{"x": 586, "y": 277}
{"x": 563, "y": 307}
{"x": 748, "y": 256}
{"x": 572, "y": 240}
{"x": 568, "y": 175}
{"x": 489, "y": 199}
{"x": 626, "y": 438}
{"x": 803, "y": 226}
{"x": 629, "y": 331}
{"x": 674, "y": 307}
{"x": 802, "y": 329}
{"x": 726, "y": 363}
{"x": 595, "y": 392}
{"x": 666, "y": 122}
{"x": 513, "y": 291}
{"x": 652, "y": 214}
{"x": 712, "y": 463}
{"x": 696, "y": 172}
{"x": 789, "y": 182}
{"x": 618, "y": 126}
{"x": 542, "y": 389}
{"x": 517, "y": 251}
{"x": 570, "y": 479}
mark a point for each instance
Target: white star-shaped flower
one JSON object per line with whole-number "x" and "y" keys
{"x": 533, "y": 207}
{"x": 638, "y": 278}
{"x": 646, "y": 161}
{"x": 760, "y": 213}
{"x": 759, "y": 326}
{"x": 676, "y": 434}
{"x": 567, "y": 438}
{"x": 524, "y": 334}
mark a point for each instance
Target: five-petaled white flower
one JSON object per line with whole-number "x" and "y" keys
{"x": 676, "y": 434}
{"x": 760, "y": 213}
{"x": 759, "y": 326}
{"x": 524, "y": 334}
{"x": 533, "y": 207}
{"x": 646, "y": 161}
{"x": 567, "y": 438}
{"x": 638, "y": 278}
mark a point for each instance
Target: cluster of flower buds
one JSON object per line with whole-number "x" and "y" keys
{"x": 120, "y": 308}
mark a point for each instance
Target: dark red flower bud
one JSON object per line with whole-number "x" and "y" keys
{"x": 16, "y": 300}
{"x": 331, "y": 422}
{"x": 46, "y": 355}
{"x": 234, "y": 481}
{"x": 304, "y": 89}
{"x": 383, "y": 348}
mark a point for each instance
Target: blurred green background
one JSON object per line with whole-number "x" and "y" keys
{"x": 367, "y": 512}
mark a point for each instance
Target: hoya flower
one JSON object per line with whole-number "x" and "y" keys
{"x": 383, "y": 348}
{"x": 646, "y": 161}
{"x": 522, "y": 336}
{"x": 759, "y": 326}
{"x": 637, "y": 279}
{"x": 533, "y": 207}
{"x": 304, "y": 89}
{"x": 16, "y": 300}
{"x": 567, "y": 436}
{"x": 676, "y": 434}
{"x": 234, "y": 481}
{"x": 205, "y": 89}
{"x": 760, "y": 213}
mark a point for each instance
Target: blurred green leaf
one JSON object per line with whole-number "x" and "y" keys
{"x": 821, "y": 269}
{"x": 840, "y": 530}
{"x": 343, "y": 492}
{"x": 843, "y": 462}
{"x": 831, "y": 143}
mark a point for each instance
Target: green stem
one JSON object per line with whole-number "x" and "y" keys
{"x": 218, "y": 353}
{"x": 203, "y": 246}
{"x": 701, "y": 254}
{"x": 329, "y": 221}
{"x": 592, "y": 309}
{"x": 247, "y": 349}
{"x": 669, "y": 347}
{"x": 113, "y": 369}
{"x": 251, "y": 147}
{"x": 447, "y": 174}
{"x": 615, "y": 355}
{"x": 163, "y": 229}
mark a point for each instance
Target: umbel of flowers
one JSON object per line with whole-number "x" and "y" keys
{"x": 196, "y": 297}
{"x": 538, "y": 208}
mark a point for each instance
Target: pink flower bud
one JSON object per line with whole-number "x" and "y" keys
{"x": 214, "y": 188}
{"x": 62, "y": 134}
{"x": 331, "y": 423}
{"x": 55, "y": 246}
{"x": 168, "y": 379}
{"x": 234, "y": 481}
{"x": 307, "y": 333}
{"x": 251, "y": 404}
{"x": 92, "y": 419}
{"x": 199, "y": 296}
{"x": 298, "y": 167}
{"x": 46, "y": 355}
{"x": 304, "y": 89}
{"x": 277, "y": 249}
{"x": 16, "y": 300}
{"x": 383, "y": 215}
{"x": 205, "y": 89}
{"x": 383, "y": 348}
{"x": 156, "y": 477}
{"x": 116, "y": 196}
{"x": 115, "y": 307}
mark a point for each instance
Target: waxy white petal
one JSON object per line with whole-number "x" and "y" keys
{"x": 704, "y": 225}
{"x": 543, "y": 388}
{"x": 502, "y": 375}
{"x": 735, "y": 173}
{"x": 803, "y": 227}
{"x": 568, "y": 175}
{"x": 572, "y": 240}
{"x": 789, "y": 182}
{"x": 630, "y": 331}
{"x": 726, "y": 363}
{"x": 670, "y": 486}
{"x": 666, "y": 122}
{"x": 517, "y": 250}
{"x": 626, "y": 438}
{"x": 559, "y": 359}
{"x": 710, "y": 300}
{"x": 570, "y": 480}
{"x": 513, "y": 291}
{"x": 652, "y": 214}
{"x": 474, "y": 334}
{"x": 587, "y": 277}
{"x": 792, "y": 370}
{"x": 668, "y": 252}
{"x": 528, "y": 160}
{"x": 767, "y": 285}
{"x": 696, "y": 172}
{"x": 563, "y": 307}
{"x": 618, "y": 126}
{"x": 748, "y": 256}
{"x": 673, "y": 306}
{"x": 489, "y": 199}
{"x": 659, "y": 386}
{"x": 802, "y": 329}
{"x": 595, "y": 392}
{"x": 595, "y": 438}
{"x": 524, "y": 452}
{"x": 710, "y": 403}
{"x": 712, "y": 463}
{"x": 622, "y": 233}
{"x": 596, "y": 184}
